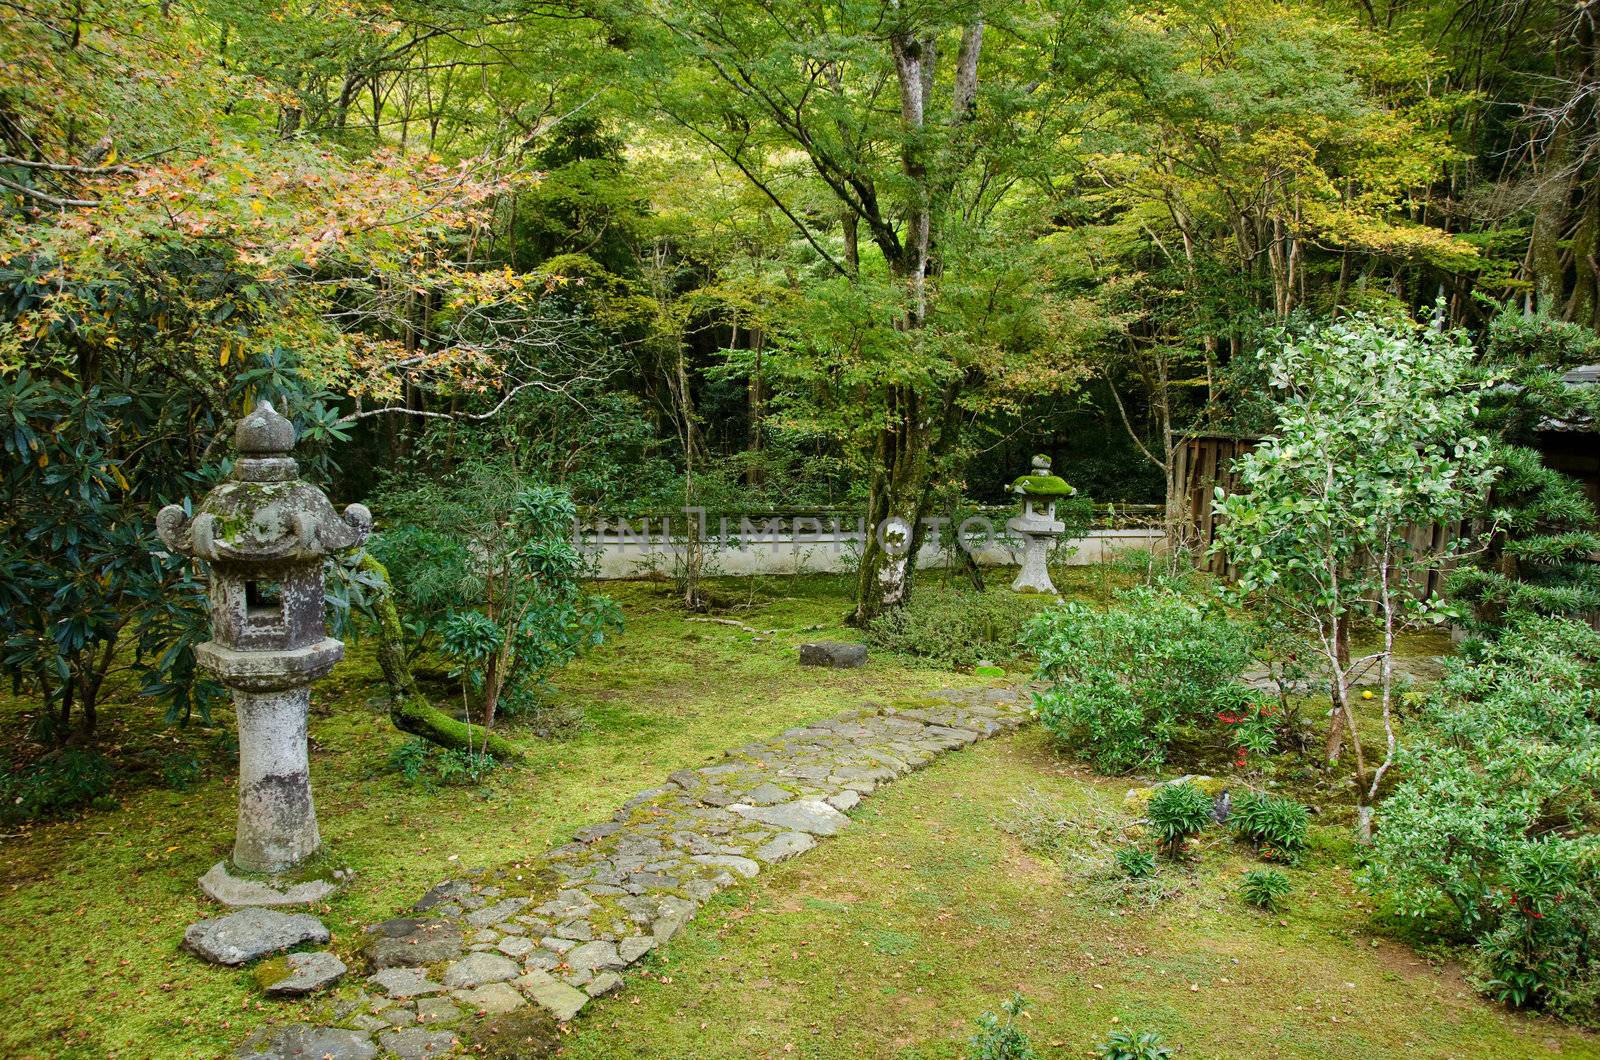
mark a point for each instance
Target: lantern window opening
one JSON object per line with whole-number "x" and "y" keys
{"x": 263, "y": 602}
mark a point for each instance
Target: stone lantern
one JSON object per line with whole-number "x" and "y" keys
{"x": 263, "y": 535}
{"x": 1038, "y": 529}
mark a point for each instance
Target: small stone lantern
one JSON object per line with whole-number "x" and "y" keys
{"x": 263, "y": 534}
{"x": 1037, "y": 529}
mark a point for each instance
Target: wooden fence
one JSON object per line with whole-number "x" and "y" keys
{"x": 1206, "y": 462}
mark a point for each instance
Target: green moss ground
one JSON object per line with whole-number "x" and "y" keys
{"x": 885, "y": 942}
{"x": 890, "y": 940}
{"x": 93, "y": 910}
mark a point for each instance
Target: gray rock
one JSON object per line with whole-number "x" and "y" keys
{"x": 636, "y": 946}
{"x": 603, "y": 984}
{"x": 576, "y": 930}
{"x": 443, "y": 892}
{"x": 516, "y": 946}
{"x": 308, "y": 972}
{"x": 437, "y": 1010}
{"x": 837, "y": 654}
{"x": 766, "y": 795}
{"x": 783, "y": 847}
{"x": 301, "y": 1042}
{"x": 492, "y": 999}
{"x": 251, "y": 933}
{"x": 556, "y": 943}
{"x": 844, "y": 800}
{"x": 399, "y": 983}
{"x": 672, "y": 914}
{"x": 543, "y": 960}
{"x": 560, "y": 1000}
{"x": 364, "y": 1022}
{"x": 594, "y": 956}
{"x": 417, "y": 1043}
{"x": 409, "y": 942}
{"x": 476, "y": 969}
{"x": 493, "y": 914}
{"x": 801, "y": 815}
{"x": 222, "y": 886}
{"x": 743, "y": 866}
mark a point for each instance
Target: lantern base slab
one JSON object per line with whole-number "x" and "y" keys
{"x": 222, "y": 885}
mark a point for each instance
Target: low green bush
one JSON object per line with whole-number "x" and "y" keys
{"x": 59, "y": 783}
{"x": 999, "y": 1037}
{"x": 1136, "y": 864}
{"x": 1126, "y": 681}
{"x": 1277, "y": 827}
{"x": 1493, "y": 827}
{"x": 1125, "y": 1044}
{"x": 955, "y": 628}
{"x": 1176, "y": 812}
{"x": 421, "y": 762}
{"x": 1264, "y": 889}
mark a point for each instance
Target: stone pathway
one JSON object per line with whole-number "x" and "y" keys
{"x": 560, "y": 930}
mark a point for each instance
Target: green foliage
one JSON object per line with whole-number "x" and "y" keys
{"x": 487, "y": 571}
{"x": 1124, "y": 682}
{"x": 1135, "y": 864}
{"x": 1493, "y": 821}
{"x": 954, "y": 627}
{"x": 1176, "y": 812}
{"x": 1538, "y": 561}
{"x": 1264, "y": 889}
{"x": 1275, "y": 825}
{"x": 421, "y": 762}
{"x": 60, "y": 783}
{"x": 999, "y": 1038}
{"x": 1127, "y": 1044}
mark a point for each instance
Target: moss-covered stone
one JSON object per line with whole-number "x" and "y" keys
{"x": 1041, "y": 486}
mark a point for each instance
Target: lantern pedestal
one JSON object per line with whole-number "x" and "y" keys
{"x": 1038, "y": 538}
{"x": 221, "y": 884}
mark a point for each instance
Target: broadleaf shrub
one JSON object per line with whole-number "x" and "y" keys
{"x": 1126, "y": 1044}
{"x": 59, "y": 783}
{"x": 1178, "y": 811}
{"x": 1264, "y": 889}
{"x": 1127, "y": 680}
{"x": 999, "y": 1037}
{"x": 1493, "y": 825}
{"x": 1277, "y": 827}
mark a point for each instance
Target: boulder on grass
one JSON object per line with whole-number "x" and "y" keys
{"x": 836, "y": 654}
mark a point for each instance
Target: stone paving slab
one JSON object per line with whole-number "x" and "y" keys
{"x": 559, "y": 929}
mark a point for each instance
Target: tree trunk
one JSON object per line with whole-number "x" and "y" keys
{"x": 408, "y": 709}
{"x": 894, "y": 508}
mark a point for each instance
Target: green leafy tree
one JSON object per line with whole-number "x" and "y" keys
{"x": 1374, "y": 442}
{"x": 496, "y": 583}
{"x": 891, "y": 139}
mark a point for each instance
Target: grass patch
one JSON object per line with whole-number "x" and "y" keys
{"x": 94, "y": 908}
{"x": 795, "y": 964}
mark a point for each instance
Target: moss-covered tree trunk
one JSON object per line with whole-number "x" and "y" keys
{"x": 408, "y": 708}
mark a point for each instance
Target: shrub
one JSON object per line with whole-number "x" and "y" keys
{"x": 1493, "y": 823}
{"x": 1136, "y": 864}
{"x": 60, "y": 783}
{"x": 954, "y": 627}
{"x": 1125, "y": 681}
{"x": 1264, "y": 889}
{"x": 1178, "y": 811}
{"x": 1000, "y": 1038}
{"x": 424, "y": 763}
{"x": 1124, "y": 1044}
{"x": 1276, "y": 826}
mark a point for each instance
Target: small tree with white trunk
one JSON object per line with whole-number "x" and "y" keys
{"x": 1373, "y": 445}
